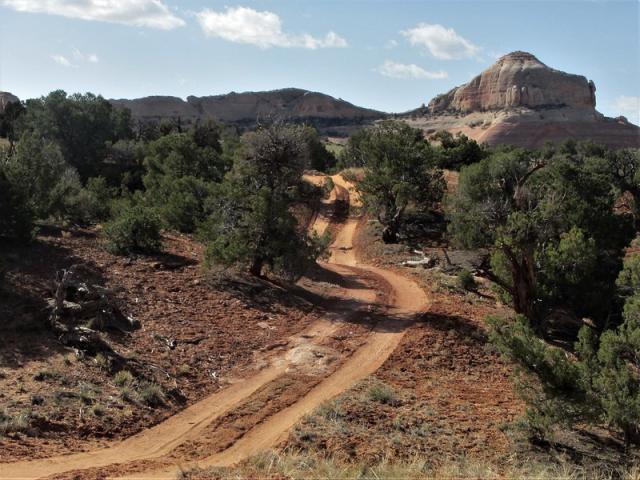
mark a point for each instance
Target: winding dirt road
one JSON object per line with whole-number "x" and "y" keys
{"x": 400, "y": 308}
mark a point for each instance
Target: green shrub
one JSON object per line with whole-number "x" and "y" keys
{"x": 16, "y": 221}
{"x": 127, "y": 393}
{"x": 134, "y": 229}
{"x": 39, "y": 171}
{"x": 123, "y": 378}
{"x": 151, "y": 394}
{"x": 87, "y": 393}
{"x": 466, "y": 281}
{"x": 15, "y": 423}
{"x": 328, "y": 186}
{"x": 384, "y": 394}
{"x": 93, "y": 203}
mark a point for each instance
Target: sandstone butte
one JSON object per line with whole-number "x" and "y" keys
{"x": 521, "y": 101}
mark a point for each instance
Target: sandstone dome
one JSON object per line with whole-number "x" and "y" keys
{"x": 518, "y": 79}
{"x": 521, "y": 101}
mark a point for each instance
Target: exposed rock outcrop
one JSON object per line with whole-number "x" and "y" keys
{"x": 5, "y": 99}
{"x": 518, "y": 80}
{"x": 521, "y": 101}
{"x": 247, "y": 108}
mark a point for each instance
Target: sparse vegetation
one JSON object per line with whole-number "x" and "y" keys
{"x": 382, "y": 393}
{"x": 123, "y": 378}
{"x": 299, "y": 466}
{"x": 12, "y": 424}
{"x": 151, "y": 394}
{"x": 466, "y": 281}
{"x": 554, "y": 226}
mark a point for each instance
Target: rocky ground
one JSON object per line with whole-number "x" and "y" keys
{"x": 196, "y": 335}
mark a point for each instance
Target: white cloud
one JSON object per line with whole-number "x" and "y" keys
{"x": 443, "y": 43}
{"x": 629, "y": 106}
{"x": 62, "y": 60}
{"x": 263, "y": 29}
{"x": 81, "y": 57}
{"x": 139, "y": 13}
{"x": 78, "y": 58}
{"x": 402, "y": 70}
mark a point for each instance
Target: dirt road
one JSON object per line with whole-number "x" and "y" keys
{"x": 400, "y": 307}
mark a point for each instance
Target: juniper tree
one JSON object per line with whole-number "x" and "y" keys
{"x": 550, "y": 223}
{"x": 400, "y": 171}
{"x": 599, "y": 384}
{"x": 182, "y": 169}
{"x": 252, "y": 225}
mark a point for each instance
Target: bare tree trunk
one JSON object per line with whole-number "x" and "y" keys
{"x": 256, "y": 266}
{"x": 392, "y": 228}
{"x": 524, "y": 288}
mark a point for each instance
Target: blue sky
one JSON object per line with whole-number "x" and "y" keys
{"x": 388, "y": 55}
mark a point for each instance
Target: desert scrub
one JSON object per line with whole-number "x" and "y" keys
{"x": 46, "y": 375}
{"x": 123, "y": 378}
{"x": 133, "y": 230}
{"x": 301, "y": 465}
{"x": 328, "y": 185}
{"x": 465, "y": 280}
{"x": 331, "y": 410}
{"x": 383, "y": 393}
{"x": 151, "y": 394}
{"x": 102, "y": 361}
{"x": 15, "y": 423}
{"x": 88, "y": 393}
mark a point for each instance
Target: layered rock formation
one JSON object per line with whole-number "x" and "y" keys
{"x": 521, "y": 101}
{"x": 247, "y": 108}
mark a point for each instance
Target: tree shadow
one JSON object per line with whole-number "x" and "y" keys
{"x": 463, "y": 327}
{"x": 28, "y": 283}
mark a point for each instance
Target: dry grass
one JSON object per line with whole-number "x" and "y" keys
{"x": 305, "y": 466}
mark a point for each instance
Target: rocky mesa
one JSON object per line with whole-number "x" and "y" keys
{"x": 248, "y": 108}
{"x": 521, "y": 101}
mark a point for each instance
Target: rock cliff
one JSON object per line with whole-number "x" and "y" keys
{"x": 245, "y": 109}
{"x": 521, "y": 101}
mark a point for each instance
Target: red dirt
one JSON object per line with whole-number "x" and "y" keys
{"x": 169, "y": 295}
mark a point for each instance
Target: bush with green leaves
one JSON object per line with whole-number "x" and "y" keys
{"x": 17, "y": 218}
{"x": 600, "y": 384}
{"x": 123, "y": 378}
{"x": 551, "y": 226}
{"x": 320, "y": 158}
{"x": 151, "y": 394}
{"x": 251, "y": 225}
{"x": 135, "y": 228}
{"x": 466, "y": 281}
{"x": 38, "y": 170}
{"x": 82, "y": 125}
{"x": 400, "y": 171}
{"x": 454, "y": 152}
{"x": 182, "y": 169}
